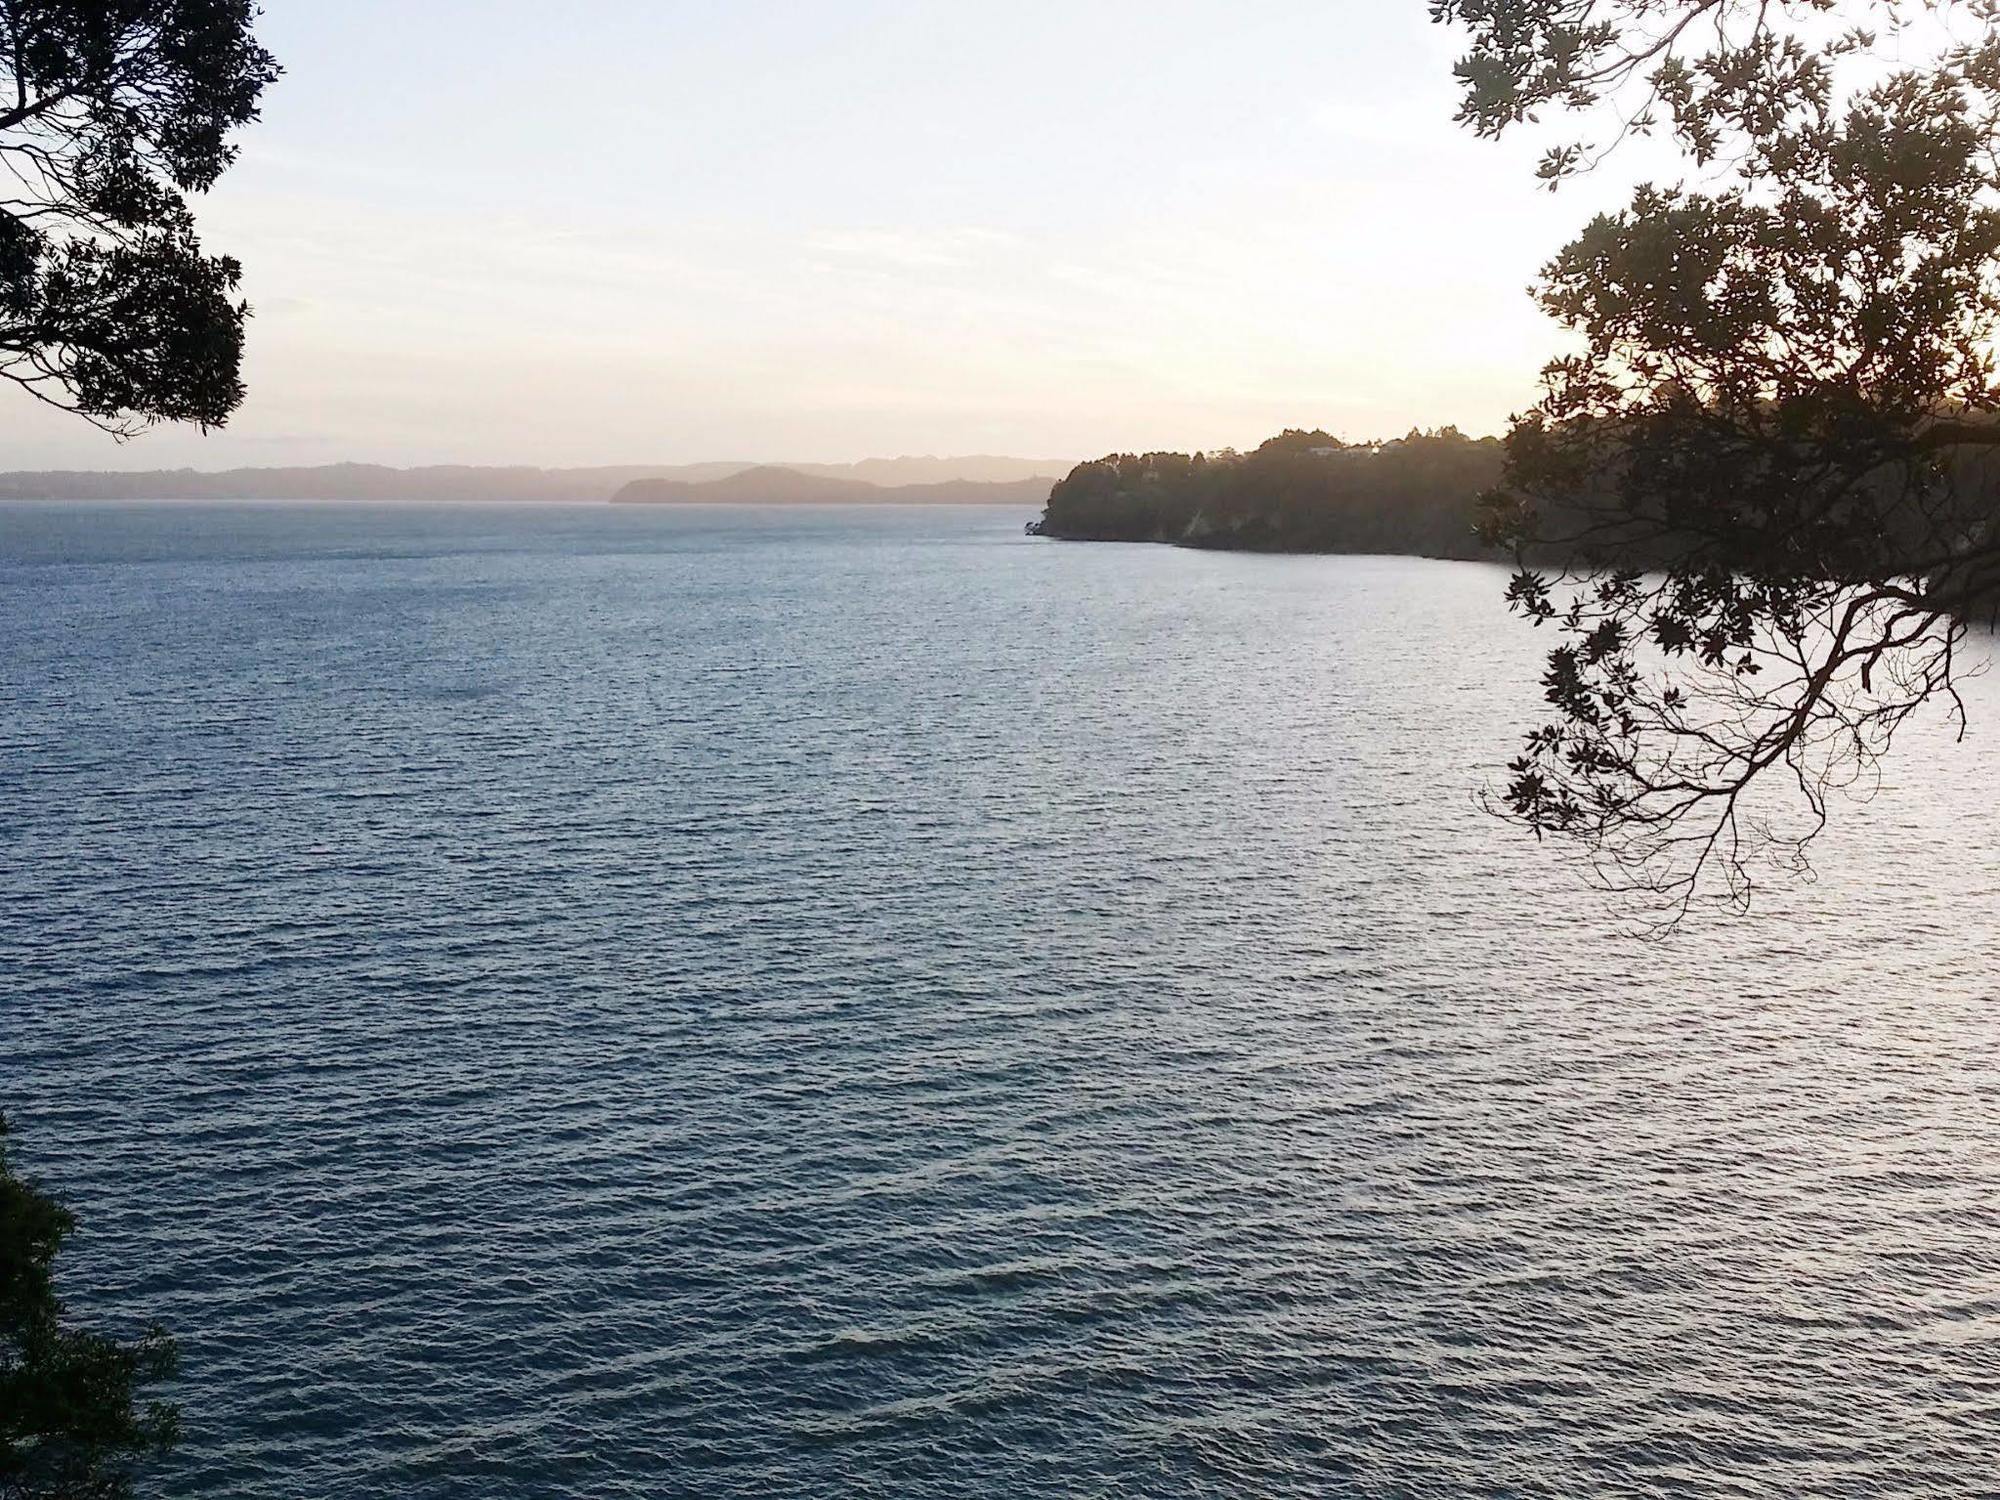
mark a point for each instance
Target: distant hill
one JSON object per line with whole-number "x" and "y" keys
{"x": 984, "y": 468}
{"x": 768, "y": 484}
{"x": 452, "y": 482}
{"x": 772, "y": 484}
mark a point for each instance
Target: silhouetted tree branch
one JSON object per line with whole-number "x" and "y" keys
{"x": 1759, "y": 504}
{"x": 109, "y": 307}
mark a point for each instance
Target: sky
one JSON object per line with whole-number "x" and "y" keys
{"x": 661, "y": 231}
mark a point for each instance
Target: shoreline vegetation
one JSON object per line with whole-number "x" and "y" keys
{"x": 1301, "y": 491}
{"x": 1298, "y": 492}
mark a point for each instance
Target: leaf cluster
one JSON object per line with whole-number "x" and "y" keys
{"x": 71, "y": 1427}
{"x": 1760, "y": 503}
{"x": 111, "y": 113}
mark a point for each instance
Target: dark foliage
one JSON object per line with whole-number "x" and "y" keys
{"x": 1710, "y": 73}
{"x": 70, "y": 1428}
{"x": 1299, "y": 492}
{"x": 111, "y": 112}
{"x": 1757, "y": 506}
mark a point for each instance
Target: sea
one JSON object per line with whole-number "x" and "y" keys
{"x": 625, "y": 1001}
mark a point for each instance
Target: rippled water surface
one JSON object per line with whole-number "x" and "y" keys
{"x": 862, "y": 1003}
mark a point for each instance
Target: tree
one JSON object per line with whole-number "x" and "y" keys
{"x": 1758, "y": 505}
{"x": 111, "y": 112}
{"x": 70, "y": 1428}
{"x": 1299, "y": 491}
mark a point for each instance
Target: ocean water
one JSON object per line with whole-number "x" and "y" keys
{"x": 845, "y": 1003}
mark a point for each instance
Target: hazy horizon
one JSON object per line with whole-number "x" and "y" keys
{"x": 730, "y": 460}
{"x": 855, "y": 232}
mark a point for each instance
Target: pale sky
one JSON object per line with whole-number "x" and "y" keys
{"x": 636, "y": 231}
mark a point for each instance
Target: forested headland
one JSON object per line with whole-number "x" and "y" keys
{"x": 1299, "y": 492}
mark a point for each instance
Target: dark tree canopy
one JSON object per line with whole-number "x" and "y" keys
{"x": 1759, "y": 503}
{"x": 1297, "y": 492}
{"x": 1714, "y": 74}
{"x": 111, "y": 112}
{"x": 70, "y": 1428}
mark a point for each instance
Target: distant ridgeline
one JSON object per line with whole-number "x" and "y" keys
{"x": 965, "y": 480}
{"x": 771, "y": 484}
{"x": 1299, "y": 492}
